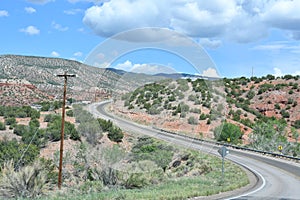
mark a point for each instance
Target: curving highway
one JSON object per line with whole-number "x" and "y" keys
{"x": 272, "y": 178}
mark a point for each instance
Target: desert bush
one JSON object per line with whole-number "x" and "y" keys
{"x": 195, "y": 110}
{"x": 192, "y": 97}
{"x": 139, "y": 174}
{"x": 91, "y": 187}
{"x": 13, "y": 150}
{"x": 115, "y": 134}
{"x": 203, "y": 116}
{"x": 192, "y": 120}
{"x": 149, "y": 149}
{"x": 91, "y": 130}
{"x": 250, "y": 94}
{"x": 70, "y": 113}
{"x": 2, "y": 126}
{"x": 228, "y": 130}
{"x": 34, "y": 123}
{"x": 154, "y": 110}
{"x": 27, "y": 182}
{"x": 284, "y": 113}
{"x": 10, "y": 121}
{"x": 183, "y": 85}
{"x": 53, "y": 131}
{"x": 297, "y": 124}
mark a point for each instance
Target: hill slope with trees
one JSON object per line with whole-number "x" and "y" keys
{"x": 241, "y": 109}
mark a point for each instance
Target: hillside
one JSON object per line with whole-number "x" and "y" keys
{"x": 197, "y": 107}
{"x": 91, "y": 83}
{"x": 20, "y": 92}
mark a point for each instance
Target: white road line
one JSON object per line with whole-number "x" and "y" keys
{"x": 254, "y": 191}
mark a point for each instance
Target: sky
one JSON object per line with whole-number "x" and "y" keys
{"x": 240, "y": 37}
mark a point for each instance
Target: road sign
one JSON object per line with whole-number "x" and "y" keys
{"x": 280, "y": 148}
{"x": 223, "y": 151}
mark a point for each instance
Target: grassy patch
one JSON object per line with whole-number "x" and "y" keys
{"x": 176, "y": 188}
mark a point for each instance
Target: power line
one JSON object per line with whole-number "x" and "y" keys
{"x": 17, "y": 165}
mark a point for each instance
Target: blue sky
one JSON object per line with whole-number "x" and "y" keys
{"x": 238, "y": 35}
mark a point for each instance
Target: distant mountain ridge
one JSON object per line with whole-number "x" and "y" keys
{"x": 89, "y": 83}
{"x": 167, "y": 75}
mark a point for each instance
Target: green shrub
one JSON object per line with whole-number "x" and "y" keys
{"x": 27, "y": 182}
{"x": 203, "y": 116}
{"x": 139, "y": 174}
{"x": 2, "y": 126}
{"x": 228, "y": 130}
{"x": 285, "y": 114}
{"x": 149, "y": 149}
{"x": 70, "y": 113}
{"x": 115, "y": 134}
{"x": 297, "y": 124}
{"x": 91, "y": 130}
{"x": 34, "y": 123}
{"x": 195, "y": 110}
{"x": 20, "y": 129}
{"x": 12, "y": 150}
{"x": 10, "y": 121}
{"x": 192, "y": 120}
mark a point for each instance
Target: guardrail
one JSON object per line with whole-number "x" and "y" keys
{"x": 231, "y": 145}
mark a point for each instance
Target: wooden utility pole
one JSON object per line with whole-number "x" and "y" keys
{"x": 65, "y": 75}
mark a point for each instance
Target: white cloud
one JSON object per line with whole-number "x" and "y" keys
{"x": 73, "y": 11}
{"x": 40, "y": 1}
{"x": 93, "y": 1}
{"x": 29, "y": 10}
{"x": 77, "y": 54}
{"x": 3, "y": 13}
{"x": 269, "y": 47}
{"x": 80, "y": 30}
{"x": 127, "y": 65}
{"x": 277, "y": 72}
{"x": 210, "y": 72}
{"x": 212, "y": 44}
{"x": 59, "y": 27}
{"x": 283, "y": 15}
{"x": 30, "y": 30}
{"x": 54, "y": 54}
{"x": 144, "y": 68}
{"x": 286, "y": 46}
{"x": 237, "y": 20}
{"x": 296, "y": 73}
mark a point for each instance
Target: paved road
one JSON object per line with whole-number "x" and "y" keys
{"x": 276, "y": 178}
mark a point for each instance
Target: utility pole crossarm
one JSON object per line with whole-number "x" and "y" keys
{"x": 65, "y": 75}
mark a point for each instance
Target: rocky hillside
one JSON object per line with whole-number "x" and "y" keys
{"x": 20, "y": 92}
{"x": 197, "y": 106}
{"x": 91, "y": 83}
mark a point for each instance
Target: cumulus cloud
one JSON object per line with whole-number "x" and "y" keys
{"x": 283, "y": 46}
{"x": 144, "y": 68}
{"x": 210, "y": 72}
{"x": 78, "y": 54}
{"x": 3, "y": 13}
{"x": 277, "y": 72}
{"x": 29, "y": 10}
{"x": 93, "y": 1}
{"x": 73, "y": 11}
{"x": 59, "y": 27}
{"x": 30, "y": 30}
{"x": 210, "y": 43}
{"x": 54, "y": 54}
{"x": 240, "y": 21}
{"x": 283, "y": 15}
{"x": 40, "y": 1}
